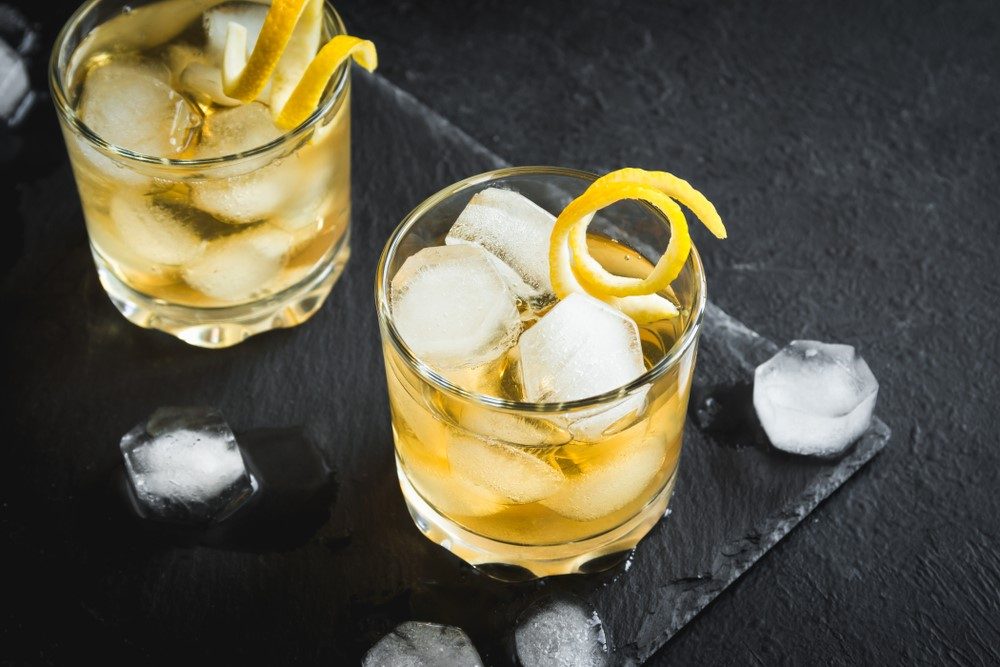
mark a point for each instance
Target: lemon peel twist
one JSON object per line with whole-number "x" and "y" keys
{"x": 573, "y": 269}
{"x": 245, "y": 79}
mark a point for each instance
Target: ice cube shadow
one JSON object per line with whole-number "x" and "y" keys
{"x": 296, "y": 489}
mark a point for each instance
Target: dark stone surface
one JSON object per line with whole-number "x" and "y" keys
{"x": 852, "y": 149}
{"x": 324, "y": 571}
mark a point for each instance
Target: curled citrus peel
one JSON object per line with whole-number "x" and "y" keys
{"x": 286, "y": 50}
{"x": 573, "y": 269}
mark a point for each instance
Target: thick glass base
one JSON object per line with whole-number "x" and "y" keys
{"x": 224, "y": 327}
{"x": 519, "y": 562}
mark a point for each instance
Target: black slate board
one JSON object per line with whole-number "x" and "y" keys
{"x": 326, "y": 584}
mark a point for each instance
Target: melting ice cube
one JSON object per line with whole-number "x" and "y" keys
{"x": 216, "y": 21}
{"x": 238, "y": 267}
{"x": 237, "y": 130}
{"x": 516, "y": 474}
{"x": 184, "y": 465}
{"x": 153, "y": 231}
{"x": 453, "y": 495}
{"x": 15, "y": 86}
{"x": 516, "y": 231}
{"x": 452, "y": 307}
{"x": 582, "y": 348}
{"x": 252, "y": 196}
{"x": 608, "y": 486}
{"x": 132, "y": 106}
{"x": 414, "y": 644}
{"x": 562, "y": 632}
{"x": 814, "y": 398}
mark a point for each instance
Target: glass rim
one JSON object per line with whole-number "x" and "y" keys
{"x": 69, "y": 116}
{"x": 422, "y": 369}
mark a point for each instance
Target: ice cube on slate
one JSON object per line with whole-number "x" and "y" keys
{"x": 15, "y": 86}
{"x": 414, "y": 644}
{"x": 581, "y": 348}
{"x": 561, "y": 632}
{"x": 184, "y": 465}
{"x": 452, "y": 307}
{"x": 516, "y": 231}
{"x": 814, "y": 398}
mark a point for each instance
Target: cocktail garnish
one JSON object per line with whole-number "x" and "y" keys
{"x": 573, "y": 269}
{"x": 285, "y": 49}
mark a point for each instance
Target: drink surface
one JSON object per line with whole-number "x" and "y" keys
{"x": 209, "y": 236}
{"x": 534, "y": 479}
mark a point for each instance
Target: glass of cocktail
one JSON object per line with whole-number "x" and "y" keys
{"x": 210, "y": 215}
{"x": 538, "y": 427}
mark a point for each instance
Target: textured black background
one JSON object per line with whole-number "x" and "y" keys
{"x": 854, "y": 150}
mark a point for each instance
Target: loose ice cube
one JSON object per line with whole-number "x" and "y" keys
{"x": 452, "y": 307}
{"x": 414, "y": 644}
{"x": 608, "y": 486}
{"x": 517, "y": 475}
{"x": 814, "y": 398}
{"x": 516, "y": 231}
{"x": 15, "y": 86}
{"x": 561, "y": 632}
{"x": 152, "y": 230}
{"x": 132, "y": 106}
{"x": 582, "y": 348}
{"x": 238, "y": 267}
{"x": 184, "y": 465}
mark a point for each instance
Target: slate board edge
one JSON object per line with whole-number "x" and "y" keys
{"x": 773, "y": 528}
{"x": 745, "y": 552}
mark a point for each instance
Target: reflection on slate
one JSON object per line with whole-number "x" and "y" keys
{"x": 331, "y": 585}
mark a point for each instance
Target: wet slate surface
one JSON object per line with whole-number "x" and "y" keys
{"x": 840, "y": 141}
{"x": 321, "y": 573}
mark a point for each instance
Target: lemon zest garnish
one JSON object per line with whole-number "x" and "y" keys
{"x": 245, "y": 83}
{"x": 277, "y": 54}
{"x": 308, "y": 92}
{"x": 573, "y": 269}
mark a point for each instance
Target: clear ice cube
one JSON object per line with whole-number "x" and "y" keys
{"x": 414, "y": 644}
{"x": 582, "y": 348}
{"x": 452, "y": 307}
{"x": 516, "y": 231}
{"x": 239, "y": 267}
{"x": 608, "y": 486}
{"x": 132, "y": 106}
{"x": 453, "y": 495}
{"x": 516, "y": 474}
{"x": 237, "y": 130}
{"x": 250, "y": 15}
{"x": 256, "y": 195}
{"x": 153, "y": 231}
{"x": 561, "y": 632}
{"x": 184, "y": 465}
{"x": 15, "y": 86}
{"x": 814, "y": 398}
